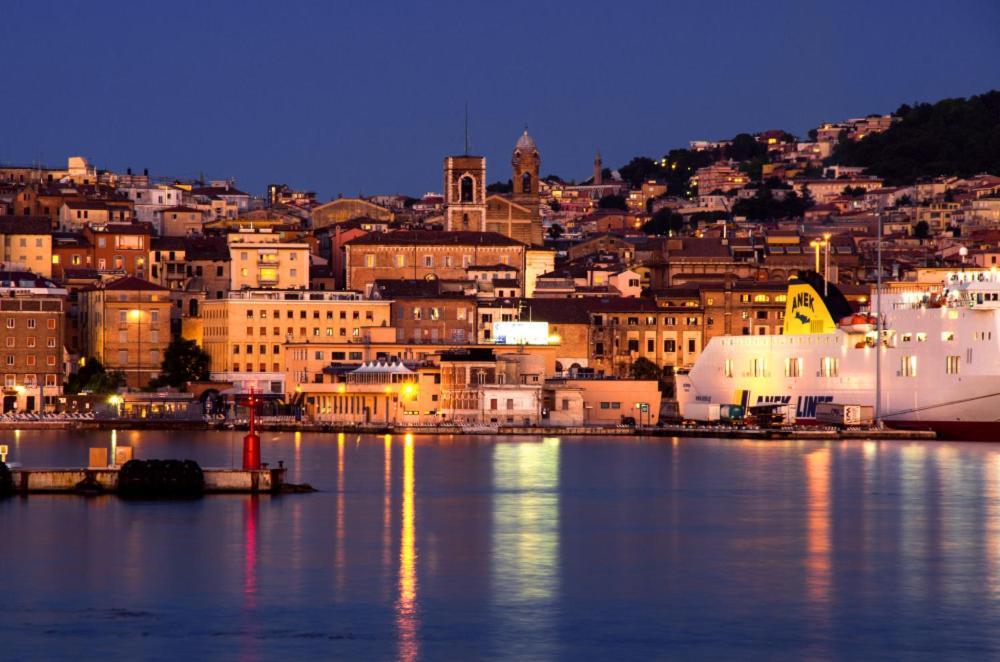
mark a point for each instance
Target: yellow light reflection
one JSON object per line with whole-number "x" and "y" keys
{"x": 525, "y": 538}
{"x": 387, "y": 510}
{"x": 992, "y": 529}
{"x": 818, "y": 531}
{"x": 406, "y": 606}
{"x": 339, "y": 543}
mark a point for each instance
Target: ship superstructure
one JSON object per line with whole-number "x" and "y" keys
{"x": 940, "y": 364}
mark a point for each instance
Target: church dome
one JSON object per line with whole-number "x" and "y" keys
{"x": 525, "y": 145}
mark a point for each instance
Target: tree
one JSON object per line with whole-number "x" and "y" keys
{"x": 922, "y": 230}
{"x": 613, "y": 202}
{"x": 93, "y": 377}
{"x": 951, "y": 137}
{"x": 854, "y": 191}
{"x": 643, "y": 368}
{"x": 664, "y": 221}
{"x": 555, "y": 206}
{"x": 745, "y": 147}
{"x": 556, "y": 231}
{"x": 183, "y": 361}
{"x": 500, "y": 187}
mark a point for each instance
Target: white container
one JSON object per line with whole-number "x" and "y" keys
{"x": 701, "y": 411}
{"x": 834, "y": 413}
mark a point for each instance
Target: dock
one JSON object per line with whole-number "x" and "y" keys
{"x": 105, "y": 480}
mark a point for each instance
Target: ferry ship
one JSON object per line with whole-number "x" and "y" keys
{"x": 940, "y": 360}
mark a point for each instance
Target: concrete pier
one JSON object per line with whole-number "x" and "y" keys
{"x": 217, "y": 481}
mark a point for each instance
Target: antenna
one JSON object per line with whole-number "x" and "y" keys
{"x": 466, "y": 128}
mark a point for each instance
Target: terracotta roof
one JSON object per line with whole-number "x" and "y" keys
{"x": 434, "y": 238}
{"x": 182, "y": 209}
{"x": 82, "y": 273}
{"x": 132, "y": 284}
{"x": 206, "y": 248}
{"x": 168, "y": 243}
{"x": 490, "y": 267}
{"x": 25, "y": 225}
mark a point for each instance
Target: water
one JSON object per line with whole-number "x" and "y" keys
{"x": 516, "y": 548}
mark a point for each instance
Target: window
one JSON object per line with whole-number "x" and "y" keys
{"x": 465, "y": 189}
{"x": 762, "y": 314}
{"x": 9, "y": 341}
{"x": 947, "y": 336}
{"x": 32, "y": 323}
{"x": 692, "y": 345}
{"x": 650, "y": 345}
{"x": 416, "y": 313}
{"x": 428, "y": 260}
{"x": 951, "y": 365}
{"x": 50, "y": 342}
{"x": 729, "y": 368}
{"x": 829, "y": 366}
{"x": 31, "y": 341}
{"x": 669, "y": 346}
{"x": 793, "y": 367}
{"x": 633, "y": 345}
{"x": 908, "y": 366}
{"x": 757, "y": 366}
{"x": 400, "y": 260}
{"x": 369, "y": 259}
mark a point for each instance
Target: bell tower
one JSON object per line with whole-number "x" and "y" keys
{"x": 465, "y": 193}
{"x": 598, "y": 170}
{"x": 526, "y": 163}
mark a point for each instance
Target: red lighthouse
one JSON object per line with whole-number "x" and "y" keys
{"x": 251, "y": 442}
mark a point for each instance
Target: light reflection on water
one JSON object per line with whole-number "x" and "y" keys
{"x": 527, "y": 548}
{"x": 525, "y": 544}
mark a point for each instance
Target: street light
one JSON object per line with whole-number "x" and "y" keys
{"x": 826, "y": 266}
{"x": 136, "y": 314}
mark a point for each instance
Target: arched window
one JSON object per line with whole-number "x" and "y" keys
{"x": 465, "y": 185}
{"x": 526, "y": 183}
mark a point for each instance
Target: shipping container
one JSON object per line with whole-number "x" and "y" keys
{"x": 834, "y": 413}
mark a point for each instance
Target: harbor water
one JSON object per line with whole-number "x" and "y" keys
{"x": 528, "y": 548}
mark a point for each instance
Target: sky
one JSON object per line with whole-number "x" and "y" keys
{"x": 369, "y": 97}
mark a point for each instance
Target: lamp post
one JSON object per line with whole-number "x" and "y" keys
{"x": 136, "y": 314}
{"x": 815, "y": 243}
{"x": 826, "y": 265}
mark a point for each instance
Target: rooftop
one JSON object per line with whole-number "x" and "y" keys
{"x": 434, "y": 238}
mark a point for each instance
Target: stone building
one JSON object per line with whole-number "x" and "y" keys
{"x": 125, "y": 324}
{"x": 33, "y": 319}
{"x": 426, "y": 255}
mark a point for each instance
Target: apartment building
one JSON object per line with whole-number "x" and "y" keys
{"x": 261, "y": 259}
{"x": 33, "y": 320}
{"x": 26, "y": 244}
{"x": 125, "y": 324}
{"x": 245, "y": 333}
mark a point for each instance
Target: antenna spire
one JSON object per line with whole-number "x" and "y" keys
{"x": 466, "y": 128}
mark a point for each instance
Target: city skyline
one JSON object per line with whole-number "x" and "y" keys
{"x": 236, "y": 102}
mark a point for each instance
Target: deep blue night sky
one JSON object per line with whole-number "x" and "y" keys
{"x": 367, "y": 97}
